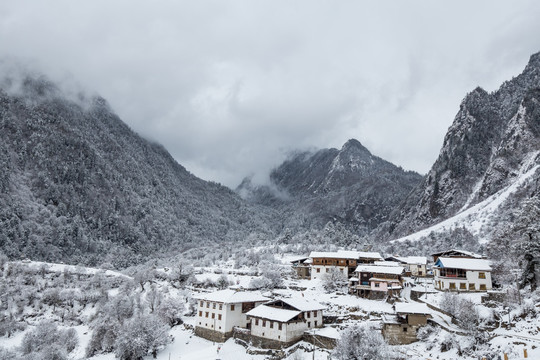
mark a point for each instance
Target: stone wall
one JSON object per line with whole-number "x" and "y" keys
{"x": 395, "y": 334}
{"x": 212, "y": 335}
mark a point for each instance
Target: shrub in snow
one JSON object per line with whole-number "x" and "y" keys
{"x": 362, "y": 343}
{"x": 3, "y": 260}
{"x": 334, "y": 280}
{"x": 467, "y": 315}
{"x": 8, "y": 325}
{"x": 46, "y": 341}
{"x": 450, "y": 303}
{"x": 141, "y": 336}
{"x": 104, "y": 334}
{"x": 222, "y": 282}
{"x": 6, "y": 354}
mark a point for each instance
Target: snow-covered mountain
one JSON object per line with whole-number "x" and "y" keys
{"x": 350, "y": 185}
{"x": 488, "y": 163}
{"x": 77, "y": 185}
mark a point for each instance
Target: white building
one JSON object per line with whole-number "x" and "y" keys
{"x": 341, "y": 260}
{"x": 462, "y": 274}
{"x": 414, "y": 265}
{"x": 220, "y": 311}
{"x": 282, "y": 322}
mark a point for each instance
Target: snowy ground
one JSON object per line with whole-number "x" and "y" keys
{"x": 344, "y": 310}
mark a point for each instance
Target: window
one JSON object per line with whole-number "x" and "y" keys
{"x": 309, "y": 324}
{"x": 202, "y": 303}
{"x": 318, "y": 270}
{"x": 232, "y": 307}
{"x": 219, "y": 317}
{"x": 220, "y": 306}
{"x": 481, "y": 275}
{"x": 377, "y": 285}
{"x": 315, "y": 313}
{"x": 315, "y": 323}
{"x": 452, "y": 286}
{"x": 279, "y": 326}
{"x": 199, "y": 323}
{"x": 257, "y": 322}
{"x": 271, "y": 325}
{"x": 206, "y": 314}
{"x": 213, "y": 316}
{"x": 264, "y": 323}
{"x": 200, "y": 313}
{"x": 327, "y": 269}
{"x": 462, "y": 286}
{"x": 213, "y": 305}
{"x": 472, "y": 287}
{"x": 482, "y": 286}
{"x": 308, "y": 314}
{"x": 404, "y": 329}
{"x": 207, "y": 305}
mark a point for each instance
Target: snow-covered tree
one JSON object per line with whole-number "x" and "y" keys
{"x": 527, "y": 225}
{"x": 170, "y": 311}
{"x": 362, "y": 343}
{"x": 334, "y": 280}
{"x": 141, "y": 336}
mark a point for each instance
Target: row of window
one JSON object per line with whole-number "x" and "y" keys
{"x": 214, "y": 305}
{"x": 462, "y": 286}
{"x": 328, "y": 270}
{"x": 458, "y": 273}
{"x": 213, "y": 315}
{"x": 279, "y": 325}
{"x": 333, "y": 261}
{"x": 211, "y": 325}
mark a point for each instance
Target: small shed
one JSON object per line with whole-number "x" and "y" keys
{"x": 401, "y": 328}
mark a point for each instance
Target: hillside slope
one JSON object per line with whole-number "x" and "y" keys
{"x": 493, "y": 142}
{"x": 350, "y": 186}
{"x": 77, "y": 185}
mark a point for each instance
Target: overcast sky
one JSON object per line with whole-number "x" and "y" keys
{"x": 230, "y": 87}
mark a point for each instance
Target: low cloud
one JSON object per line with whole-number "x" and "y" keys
{"x": 229, "y": 88}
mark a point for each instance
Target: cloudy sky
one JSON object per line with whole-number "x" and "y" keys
{"x": 231, "y": 87}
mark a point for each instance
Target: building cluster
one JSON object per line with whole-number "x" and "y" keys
{"x": 277, "y": 323}
{"x": 267, "y": 323}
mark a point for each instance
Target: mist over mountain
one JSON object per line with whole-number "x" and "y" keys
{"x": 77, "y": 185}
{"x": 493, "y": 141}
{"x": 350, "y": 186}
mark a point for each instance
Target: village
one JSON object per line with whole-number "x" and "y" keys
{"x": 405, "y": 290}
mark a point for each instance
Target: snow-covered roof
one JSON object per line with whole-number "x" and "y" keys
{"x": 272, "y": 313}
{"x": 417, "y": 260}
{"x": 462, "y": 252}
{"x": 395, "y": 270}
{"x": 327, "y": 332}
{"x": 464, "y": 263}
{"x": 229, "y": 296}
{"x": 412, "y": 308}
{"x": 298, "y": 258}
{"x": 302, "y": 304}
{"x": 354, "y": 279}
{"x": 386, "y": 263}
{"x": 345, "y": 254}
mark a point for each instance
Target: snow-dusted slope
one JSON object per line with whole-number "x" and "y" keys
{"x": 481, "y": 215}
{"x": 488, "y": 151}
